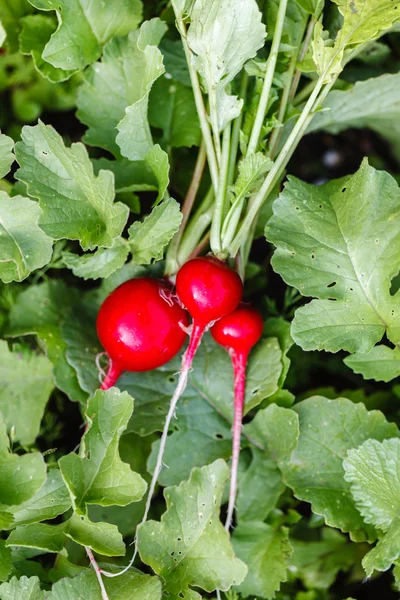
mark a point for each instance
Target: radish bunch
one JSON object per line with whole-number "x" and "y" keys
{"x": 142, "y": 325}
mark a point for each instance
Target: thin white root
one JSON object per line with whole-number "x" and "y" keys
{"x": 98, "y": 572}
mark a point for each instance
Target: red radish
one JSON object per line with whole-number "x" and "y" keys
{"x": 209, "y": 290}
{"x": 238, "y": 332}
{"x": 140, "y": 327}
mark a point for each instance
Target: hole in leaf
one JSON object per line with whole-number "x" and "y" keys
{"x": 330, "y": 285}
{"x": 344, "y": 189}
{"x": 172, "y": 379}
{"x": 219, "y": 436}
{"x": 312, "y": 255}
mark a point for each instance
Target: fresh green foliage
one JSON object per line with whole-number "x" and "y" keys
{"x": 24, "y": 246}
{"x": 193, "y": 547}
{"x": 26, "y": 384}
{"x": 169, "y": 130}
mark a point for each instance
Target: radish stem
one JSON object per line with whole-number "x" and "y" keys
{"x": 112, "y": 374}
{"x": 239, "y": 362}
{"x": 98, "y": 572}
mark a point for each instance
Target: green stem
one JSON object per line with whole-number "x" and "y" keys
{"x": 303, "y": 52}
{"x": 277, "y": 168}
{"x": 305, "y": 92}
{"x": 237, "y": 125}
{"x": 172, "y": 263}
{"x": 215, "y": 238}
{"x": 269, "y": 74}
{"x": 196, "y": 228}
{"x": 277, "y": 132}
{"x": 214, "y": 123}
{"x": 201, "y": 109}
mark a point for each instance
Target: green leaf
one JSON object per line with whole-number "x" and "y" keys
{"x": 328, "y": 429}
{"x": 276, "y": 430}
{"x": 100, "y": 537}
{"x": 51, "y": 500}
{"x": 25, "y": 588}
{"x": 192, "y": 547}
{"x": 35, "y": 34}
{"x": 98, "y": 475}
{"x": 372, "y": 104}
{"x": 26, "y": 385}
{"x": 386, "y": 552}
{"x": 40, "y": 310}
{"x": 21, "y": 476}
{"x": 322, "y": 254}
{"x": 317, "y": 563}
{"x": 157, "y": 160}
{"x": 76, "y": 205}
{"x": 266, "y": 551}
{"x": 24, "y": 247}
{"x": 148, "y": 239}
{"x": 371, "y": 469}
{"x": 107, "y": 89}
{"x": 175, "y": 61}
{"x": 172, "y": 109}
{"x": 5, "y": 562}
{"x": 79, "y": 333}
{"x": 6, "y": 154}
{"x": 224, "y": 35}
{"x": 363, "y": 21}
{"x": 83, "y": 30}
{"x": 200, "y": 437}
{"x": 101, "y": 263}
{"x": 130, "y": 586}
{"x": 381, "y": 363}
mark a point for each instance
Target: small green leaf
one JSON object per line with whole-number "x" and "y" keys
{"x": 25, "y": 588}
{"x": 222, "y": 50}
{"x": 130, "y": 176}
{"x": 328, "y": 429}
{"x": 101, "y": 263}
{"x": 172, "y": 109}
{"x": 24, "y": 247}
{"x": 386, "y": 552}
{"x": 192, "y": 547}
{"x": 107, "y": 89}
{"x": 349, "y": 270}
{"x": 76, "y": 205}
{"x": 35, "y": 34}
{"x": 5, "y": 562}
{"x": 371, "y": 469}
{"x": 6, "y": 154}
{"x": 148, "y": 239}
{"x": 363, "y": 21}
{"x": 39, "y": 310}
{"x": 98, "y": 475}
{"x": 51, "y": 500}
{"x": 83, "y": 30}
{"x": 133, "y": 585}
{"x": 266, "y": 551}
{"x": 381, "y": 363}
{"x": 26, "y": 385}
{"x": 100, "y": 537}
{"x": 157, "y": 160}
{"x": 21, "y": 476}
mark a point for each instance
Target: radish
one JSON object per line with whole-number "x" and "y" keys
{"x": 209, "y": 290}
{"x": 238, "y": 332}
{"x": 140, "y": 327}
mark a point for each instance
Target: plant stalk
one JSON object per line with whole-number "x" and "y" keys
{"x": 201, "y": 109}
{"x": 172, "y": 263}
{"x": 269, "y": 74}
{"x": 216, "y": 225}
